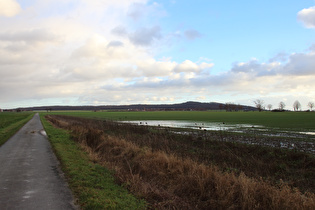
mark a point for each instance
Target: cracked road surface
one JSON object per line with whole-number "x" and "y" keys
{"x": 30, "y": 177}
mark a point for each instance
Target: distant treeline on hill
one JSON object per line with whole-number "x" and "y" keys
{"x": 187, "y": 106}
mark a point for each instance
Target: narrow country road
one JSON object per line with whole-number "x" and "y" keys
{"x": 30, "y": 177}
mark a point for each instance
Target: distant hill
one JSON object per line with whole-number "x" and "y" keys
{"x": 190, "y": 105}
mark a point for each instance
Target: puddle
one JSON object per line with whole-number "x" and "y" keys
{"x": 216, "y": 126}
{"x": 308, "y": 133}
{"x": 297, "y": 142}
{"x": 43, "y": 132}
{"x": 194, "y": 125}
{"x": 28, "y": 194}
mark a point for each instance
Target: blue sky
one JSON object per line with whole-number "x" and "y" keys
{"x": 233, "y": 31}
{"x": 93, "y": 52}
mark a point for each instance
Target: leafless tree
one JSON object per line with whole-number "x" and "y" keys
{"x": 239, "y": 107}
{"x": 269, "y": 106}
{"x": 310, "y": 105}
{"x": 281, "y": 106}
{"x": 230, "y": 107}
{"x": 259, "y": 104}
{"x": 296, "y": 105}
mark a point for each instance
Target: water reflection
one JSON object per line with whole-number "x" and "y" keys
{"x": 296, "y": 143}
{"x": 308, "y": 133}
{"x": 216, "y": 126}
{"x": 195, "y": 125}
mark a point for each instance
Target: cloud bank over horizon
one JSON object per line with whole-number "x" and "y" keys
{"x": 122, "y": 52}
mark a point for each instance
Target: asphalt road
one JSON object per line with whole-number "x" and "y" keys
{"x": 30, "y": 177}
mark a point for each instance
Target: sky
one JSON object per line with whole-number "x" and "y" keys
{"x": 104, "y": 52}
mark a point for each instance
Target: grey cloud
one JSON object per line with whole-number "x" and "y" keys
{"x": 222, "y": 80}
{"x": 142, "y": 36}
{"x": 282, "y": 57}
{"x": 300, "y": 64}
{"x": 145, "y": 36}
{"x": 136, "y": 10}
{"x": 163, "y": 84}
{"x": 115, "y": 44}
{"x": 192, "y": 34}
{"x": 119, "y": 31}
{"x": 250, "y": 66}
{"x": 312, "y": 48}
{"x": 36, "y": 35}
{"x": 17, "y": 47}
{"x": 254, "y": 68}
{"x": 295, "y": 64}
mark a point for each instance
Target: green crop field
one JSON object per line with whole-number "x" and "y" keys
{"x": 284, "y": 120}
{"x": 11, "y": 122}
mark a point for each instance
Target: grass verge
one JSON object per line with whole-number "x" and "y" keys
{"x": 10, "y": 123}
{"x": 93, "y": 185}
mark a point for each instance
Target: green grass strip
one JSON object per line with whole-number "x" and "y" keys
{"x": 93, "y": 185}
{"x": 11, "y": 123}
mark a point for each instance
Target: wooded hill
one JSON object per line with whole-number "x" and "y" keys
{"x": 190, "y": 105}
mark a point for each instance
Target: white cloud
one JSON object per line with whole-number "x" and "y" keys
{"x": 9, "y": 8}
{"x": 187, "y": 66}
{"x": 307, "y": 17}
{"x": 153, "y": 68}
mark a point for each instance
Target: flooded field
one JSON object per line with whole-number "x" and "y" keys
{"x": 210, "y": 126}
{"x": 300, "y": 140}
{"x": 195, "y": 125}
{"x": 292, "y": 130}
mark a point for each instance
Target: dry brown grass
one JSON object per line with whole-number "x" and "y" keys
{"x": 167, "y": 181}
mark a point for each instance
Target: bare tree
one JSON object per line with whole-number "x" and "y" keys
{"x": 259, "y": 104}
{"x": 227, "y": 106}
{"x": 310, "y": 105}
{"x": 281, "y": 106}
{"x": 296, "y": 105}
{"x": 239, "y": 107}
{"x": 269, "y": 106}
{"x": 230, "y": 107}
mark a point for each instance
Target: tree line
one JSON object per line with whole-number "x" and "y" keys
{"x": 259, "y": 104}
